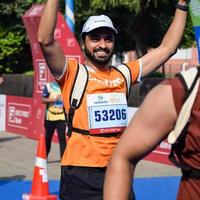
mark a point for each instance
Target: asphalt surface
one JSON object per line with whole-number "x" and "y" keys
{"x": 17, "y": 160}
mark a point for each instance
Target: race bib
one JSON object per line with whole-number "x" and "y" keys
{"x": 107, "y": 112}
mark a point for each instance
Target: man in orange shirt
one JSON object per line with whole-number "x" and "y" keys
{"x": 102, "y": 115}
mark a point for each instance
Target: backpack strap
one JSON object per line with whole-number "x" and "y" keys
{"x": 125, "y": 71}
{"x": 191, "y": 173}
{"x": 76, "y": 96}
{"x": 79, "y": 86}
{"x": 49, "y": 90}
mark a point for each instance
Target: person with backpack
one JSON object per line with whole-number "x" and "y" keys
{"x": 97, "y": 110}
{"x": 171, "y": 111}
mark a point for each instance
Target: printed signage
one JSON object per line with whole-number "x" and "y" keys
{"x": 19, "y": 115}
{"x": 42, "y": 76}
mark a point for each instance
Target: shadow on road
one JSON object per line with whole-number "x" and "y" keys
{"x": 7, "y": 179}
{"x": 7, "y": 139}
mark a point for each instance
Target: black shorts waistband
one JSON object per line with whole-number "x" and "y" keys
{"x": 83, "y": 168}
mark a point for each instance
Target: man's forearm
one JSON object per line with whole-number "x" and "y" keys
{"x": 52, "y": 50}
{"x": 48, "y": 22}
{"x": 118, "y": 180}
{"x": 169, "y": 44}
{"x": 175, "y": 32}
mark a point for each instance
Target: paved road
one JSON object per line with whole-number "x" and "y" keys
{"x": 17, "y": 158}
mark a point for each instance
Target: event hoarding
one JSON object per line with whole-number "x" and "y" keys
{"x": 24, "y": 115}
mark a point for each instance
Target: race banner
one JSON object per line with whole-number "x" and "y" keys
{"x": 195, "y": 15}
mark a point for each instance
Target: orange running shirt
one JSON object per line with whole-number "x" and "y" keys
{"x": 86, "y": 150}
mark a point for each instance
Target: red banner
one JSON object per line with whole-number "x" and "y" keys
{"x": 26, "y": 115}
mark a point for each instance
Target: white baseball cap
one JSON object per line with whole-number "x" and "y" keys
{"x": 94, "y": 22}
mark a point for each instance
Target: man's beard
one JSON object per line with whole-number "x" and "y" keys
{"x": 98, "y": 60}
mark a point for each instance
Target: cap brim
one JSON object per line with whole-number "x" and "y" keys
{"x": 96, "y": 27}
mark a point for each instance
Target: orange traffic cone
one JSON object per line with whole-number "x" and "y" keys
{"x": 40, "y": 186}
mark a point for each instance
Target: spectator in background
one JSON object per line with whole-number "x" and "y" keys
{"x": 1, "y": 78}
{"x": 54, "y": 116}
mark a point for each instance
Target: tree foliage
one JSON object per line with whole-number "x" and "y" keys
{"x": 141, "y": 24}
{"x": 15, "y": 55}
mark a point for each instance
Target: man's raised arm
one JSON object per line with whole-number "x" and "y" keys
{"x": 155, "y": 58}
{"x": 51, "y": 49}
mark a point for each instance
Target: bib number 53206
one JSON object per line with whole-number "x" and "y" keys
{"x": 110, "y": 115}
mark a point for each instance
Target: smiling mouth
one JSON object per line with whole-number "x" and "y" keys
{"x": 101, "y": 54}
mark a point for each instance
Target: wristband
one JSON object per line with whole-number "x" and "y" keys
{"x": 182, "y": 7}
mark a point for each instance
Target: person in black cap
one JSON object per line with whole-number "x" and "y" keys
{"x": 101, "y": 117}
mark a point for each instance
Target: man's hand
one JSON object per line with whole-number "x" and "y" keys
{"x": 186, "y": 2}
{"x": 57, "y": 98}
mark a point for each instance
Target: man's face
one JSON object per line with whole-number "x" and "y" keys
{"x": 99, "y": 45}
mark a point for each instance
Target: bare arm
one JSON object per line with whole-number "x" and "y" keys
{"x": 151, "y": 123}
{"x": 51, "y": 49}
{"x": 169, "y": 44}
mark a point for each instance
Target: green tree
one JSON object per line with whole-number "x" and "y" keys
{"x": 141, "y": 24}
{"x": 15, "y": 55}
